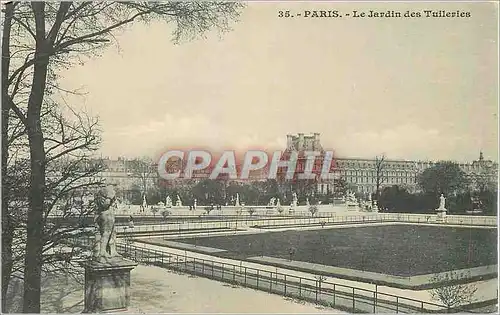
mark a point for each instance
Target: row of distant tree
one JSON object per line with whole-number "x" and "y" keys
{"x": 209, "y": 191}
{"x": 443, "y": 178}
{"x": 448, "y": 179}
{"x": 398, "y": 199}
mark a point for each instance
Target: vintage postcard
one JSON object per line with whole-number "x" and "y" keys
{"x": 250, "y": 157}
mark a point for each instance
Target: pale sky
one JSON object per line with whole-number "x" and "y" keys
{"x": 419, "y": 88}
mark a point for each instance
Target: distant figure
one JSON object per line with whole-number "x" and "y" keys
{"x": 131, "y": 222}
{"x": 144, "y": 204}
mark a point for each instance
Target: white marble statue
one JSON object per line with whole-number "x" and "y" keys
{"x": 105, "y": 240}
{"x": 237, "y": 202}
{"x": 307, "y": 202}
{"x": 179, "y": 201}
{"x": 168, "y": 202}
{"x": 442, "y": 201}
{"x": 294, "y": 200}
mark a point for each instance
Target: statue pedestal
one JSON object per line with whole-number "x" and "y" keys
{"x": 441, "y": 214}
{"x": 107, "y": 285}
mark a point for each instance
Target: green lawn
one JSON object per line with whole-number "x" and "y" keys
{"x": 402, "y": 250}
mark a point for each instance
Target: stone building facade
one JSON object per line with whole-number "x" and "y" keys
{"x": 363, "y": 173}
{"x": 360, "y": 173}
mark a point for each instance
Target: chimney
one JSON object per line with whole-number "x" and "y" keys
{"x": 289, "y": 142}
{"x": 301, "y": 142}
{"x": 316, "y": 145}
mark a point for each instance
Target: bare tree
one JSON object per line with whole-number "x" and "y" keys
{"x": 453, "y": 289}
{"x": 379, "y": 173}
{"x": 71, "y": 174}
{"x": 14, "y": 212}
{"x": 45, "y": 36}
{"x": 143, "y": 171}
{"x": 8, "y": 219}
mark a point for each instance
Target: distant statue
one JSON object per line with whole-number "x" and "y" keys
{"x": 369, "y": 197}
{"x": 105, "y": 242}
{"x": 442, "y": 201}
{"x": 271, "y": 202}
{"x": 194, "y": 204}
{"x": 179, "y": 201}
{"x": 294, "y": 200}
{"x": 168, "y": 202}
{"x": 307, "y": 202}
{"x": 278, "y": 204}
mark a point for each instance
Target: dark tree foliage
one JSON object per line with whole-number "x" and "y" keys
{"x": 443, "y": 178}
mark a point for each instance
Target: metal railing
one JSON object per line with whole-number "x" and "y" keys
{"x": 229, "y": 225}
{"x": 315, "y": 290}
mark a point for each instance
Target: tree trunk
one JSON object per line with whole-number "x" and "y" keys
{"x": 7, "y": 226}
{"x": 35, "y": 224}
